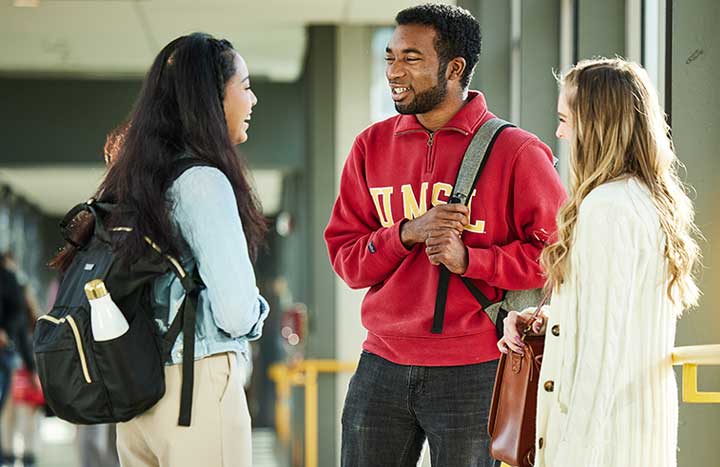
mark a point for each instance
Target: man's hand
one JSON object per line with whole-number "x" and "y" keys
{"x": 446, "y": 247}
{"x": 449, "y": 217}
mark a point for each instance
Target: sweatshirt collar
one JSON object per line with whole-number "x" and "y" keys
{"x": 467, "y": 120}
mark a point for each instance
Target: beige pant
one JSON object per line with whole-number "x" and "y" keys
{"x": 20, "y": 418}
{"x": 219, "y": 435}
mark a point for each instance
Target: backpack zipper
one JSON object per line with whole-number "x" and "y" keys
{"x": 78, "y": 341}
{"x": 176, "y": 264}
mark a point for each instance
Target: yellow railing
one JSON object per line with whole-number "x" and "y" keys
{"x": 305, "y": 373}
{"x": 690, "y": 357}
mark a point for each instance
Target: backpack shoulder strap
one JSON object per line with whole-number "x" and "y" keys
{"x": 184, "y": 321}
{"x": 475, "y": 158}
{"x": 183, "y": 164}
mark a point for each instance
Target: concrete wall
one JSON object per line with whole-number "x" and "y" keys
{"x": 352, "y": 115}
{"x": 539, "y": 56}
{"x": 492, "y": 74}
{"x": 320, "y": 76}
{"x": 601, "y": 28}
{"x": 694, "y": 104}
{"x": 515, "y": 71}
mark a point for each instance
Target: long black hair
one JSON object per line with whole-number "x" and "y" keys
{"x": 179, "y": 112}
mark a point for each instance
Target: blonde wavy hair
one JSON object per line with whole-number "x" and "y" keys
{"x": 620, "y": 131}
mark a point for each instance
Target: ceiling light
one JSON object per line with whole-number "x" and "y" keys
{"x": 26, "y": 3}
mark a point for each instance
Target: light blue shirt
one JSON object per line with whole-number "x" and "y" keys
{"x": 231, "y": 310}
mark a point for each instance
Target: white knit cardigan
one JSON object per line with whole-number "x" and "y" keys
{"x": 607, "y": 395}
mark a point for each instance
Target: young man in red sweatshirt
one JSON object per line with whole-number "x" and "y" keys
{"x": 391, "y": 228}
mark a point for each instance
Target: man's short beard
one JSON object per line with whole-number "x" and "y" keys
{"x": 428, "y": 100}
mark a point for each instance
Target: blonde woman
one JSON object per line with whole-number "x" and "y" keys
{"x": 621, "y": 272}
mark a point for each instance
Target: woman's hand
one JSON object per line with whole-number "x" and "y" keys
{"x": 513, "y": 326}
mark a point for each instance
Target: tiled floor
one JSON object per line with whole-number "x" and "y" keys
{"x": 57, "y": 444}
{"x": 265, "y": 449}
{"x": 59, "y": 449}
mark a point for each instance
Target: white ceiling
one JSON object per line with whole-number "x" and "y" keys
{"x": 120, "y": 37}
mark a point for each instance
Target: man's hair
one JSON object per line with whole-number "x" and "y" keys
{"x": 457, "y": 30}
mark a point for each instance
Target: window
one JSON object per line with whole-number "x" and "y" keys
{"x": 381, "y": 104}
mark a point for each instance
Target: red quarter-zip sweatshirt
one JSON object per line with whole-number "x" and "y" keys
{"x": 398, "y": 170}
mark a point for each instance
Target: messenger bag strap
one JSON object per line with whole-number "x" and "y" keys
{"x": 474, "y": 160}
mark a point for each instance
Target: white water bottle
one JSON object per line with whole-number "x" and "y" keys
{"x": 106, "y": 319}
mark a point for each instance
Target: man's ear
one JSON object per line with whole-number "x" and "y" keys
{"x": 455, "y": 69}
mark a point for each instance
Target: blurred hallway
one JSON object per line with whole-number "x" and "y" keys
{"x": 70, "y": 71}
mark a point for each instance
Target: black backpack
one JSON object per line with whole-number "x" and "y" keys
{"x": 89, "y": 382}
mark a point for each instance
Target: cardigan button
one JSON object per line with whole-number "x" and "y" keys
{"x": 541, "y": 443}
{"x": 549, "y": 386}
{"x": 556, "y": 330}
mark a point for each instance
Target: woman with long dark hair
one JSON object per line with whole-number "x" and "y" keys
{"x": 195, "y": 102}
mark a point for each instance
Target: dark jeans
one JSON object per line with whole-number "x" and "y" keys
{"x": 7, "y": 360}
{"x": 391, "y": 409}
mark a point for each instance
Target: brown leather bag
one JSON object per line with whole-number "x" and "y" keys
{"x": 511, "y": 424}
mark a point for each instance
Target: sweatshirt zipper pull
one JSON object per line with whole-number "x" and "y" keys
{"x": 428, "y": 162}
